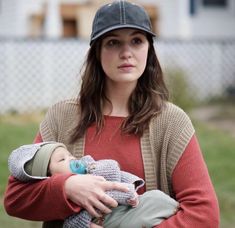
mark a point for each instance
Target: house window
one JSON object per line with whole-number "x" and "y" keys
{"x": 192, "y": 7}
{"x": 69, "y": 28}
{"x": 217, "y": 3}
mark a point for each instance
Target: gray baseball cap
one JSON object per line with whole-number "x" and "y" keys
{"x": 120, "y": 14}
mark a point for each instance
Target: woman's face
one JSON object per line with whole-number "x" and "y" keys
{"x": 124, "y": 55}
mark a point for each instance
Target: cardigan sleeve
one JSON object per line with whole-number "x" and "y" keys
{"x": 194, "y": 191}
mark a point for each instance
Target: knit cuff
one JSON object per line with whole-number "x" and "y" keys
{"x": 81, "y": 220}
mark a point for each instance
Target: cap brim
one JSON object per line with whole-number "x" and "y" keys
{"x": 121, "y": 27}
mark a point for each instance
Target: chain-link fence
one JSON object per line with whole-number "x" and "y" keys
{"x": 34, "y": 74}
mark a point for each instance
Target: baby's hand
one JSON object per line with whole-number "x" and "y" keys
{"x": 134, "y": 201}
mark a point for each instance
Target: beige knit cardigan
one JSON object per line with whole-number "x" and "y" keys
{"x": 161, "y": 145}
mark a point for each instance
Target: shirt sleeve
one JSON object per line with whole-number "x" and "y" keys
{"x": 194, "y": 191}
{"x": 37, "y": 200}
{"x": 38, "y": 138}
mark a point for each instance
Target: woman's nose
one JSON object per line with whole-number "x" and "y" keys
{"x": 125, "y": 51}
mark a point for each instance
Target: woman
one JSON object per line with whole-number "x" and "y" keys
{"x": 122, "y": 113}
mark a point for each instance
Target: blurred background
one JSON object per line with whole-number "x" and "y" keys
{"x": 42, "y": 48}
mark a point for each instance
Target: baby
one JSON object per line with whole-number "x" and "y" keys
{"x": 40, "y": 161}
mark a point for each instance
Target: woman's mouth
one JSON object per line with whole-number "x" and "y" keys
{"x": 126, "y": 67}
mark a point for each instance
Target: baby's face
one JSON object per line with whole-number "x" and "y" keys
{"x": 59, "y": 162}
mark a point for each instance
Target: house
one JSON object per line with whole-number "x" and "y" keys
{"x": 178, "y": 19}
{"x": 53, "y": 18}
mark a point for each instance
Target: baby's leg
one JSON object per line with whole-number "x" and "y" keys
{"x": 154, "y": 207}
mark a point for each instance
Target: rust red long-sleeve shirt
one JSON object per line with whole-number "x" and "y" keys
{"x": 191, "y": 183}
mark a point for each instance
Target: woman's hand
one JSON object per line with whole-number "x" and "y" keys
{"x": 93, "y": 225}
{"x": 88, "y": 191}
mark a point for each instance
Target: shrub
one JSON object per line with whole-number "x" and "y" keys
{"x": 180, "y": 92}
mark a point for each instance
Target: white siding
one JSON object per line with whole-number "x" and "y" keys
{"x": 213, "y": 22}
{"x": 8, "y": 21}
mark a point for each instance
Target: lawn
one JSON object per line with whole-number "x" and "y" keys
{"x": 218, "y": 149}
{"x": 14, "y": 131}
{"x": 219, "y": 152}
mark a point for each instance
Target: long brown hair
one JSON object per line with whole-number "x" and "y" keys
{"x": 146, "y": 100}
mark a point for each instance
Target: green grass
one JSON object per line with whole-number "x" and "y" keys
{"x": 219, "y": 152}
{"x": 14, "y": 131}
{"x": 218, "y": 149}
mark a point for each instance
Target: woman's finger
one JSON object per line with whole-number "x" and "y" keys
{"x": 93, "y": 212}
{"x": 103, "y": 204}
{"x": 99, "y": 178}
{"x": 107, "y": 200}
{"x": 93, "y": 225}
{"x": 109, "y": 185}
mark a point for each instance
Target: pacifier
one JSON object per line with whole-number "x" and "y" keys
{"x": 78, "y": 167}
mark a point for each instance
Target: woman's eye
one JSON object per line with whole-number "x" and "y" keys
{"x": 137, "y": 41}
{"x": 113, "y": 43}
{"x": 62, "y": 159}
